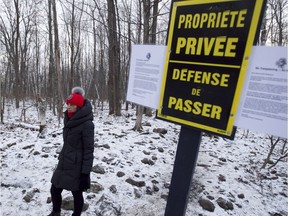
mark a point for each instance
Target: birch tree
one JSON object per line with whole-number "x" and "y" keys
{"x": 41, "y": 103}
{"x": 149, "y": 36}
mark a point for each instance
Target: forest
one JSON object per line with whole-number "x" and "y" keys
{"x": 49, "y": 46}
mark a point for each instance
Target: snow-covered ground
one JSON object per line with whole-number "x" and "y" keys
{"x": 132, "y": 170}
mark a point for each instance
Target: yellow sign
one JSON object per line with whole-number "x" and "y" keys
{"x": 208, "y": 50}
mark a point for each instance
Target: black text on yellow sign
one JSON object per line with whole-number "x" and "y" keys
{"x": 209, "y": 44}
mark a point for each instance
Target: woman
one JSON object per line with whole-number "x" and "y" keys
{"x": 76, "y": 157}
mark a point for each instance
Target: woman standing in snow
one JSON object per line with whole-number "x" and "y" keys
{"x": 76, "y": 157}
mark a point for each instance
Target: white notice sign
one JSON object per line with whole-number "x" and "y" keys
{"x": 263, "y": 104}
{"x": 145, "y": 77}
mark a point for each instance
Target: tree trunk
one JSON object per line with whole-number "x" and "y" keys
{"x": 146, "y": 18}
{"x": 129, "y": 32}
{"x": 17, "y": 85}
{"x": 138, "y": 123}
{"x": 154, "y": 22}
{"x": 57, "y": 62}
{"x": 74, "y": 44}
{"x": 263, "y": 31}
{"x": 51, "y": 74}
{"x": 42, "y": 117}
{"x": 1, "y": 104}
{"x": 93, "y": 85}
{"x": 148, "y": 111}
{"x": 72, "y": 47}
{"x": 146, "y": 40}
{"x": 114, "y": 64}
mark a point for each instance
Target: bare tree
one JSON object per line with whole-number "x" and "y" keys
{"x": 51, "y": 68}
{"x": 57, "y": 61}
{"x": 146, "y": 18}
{"x": 100, "y": 36}
{"x": 114, "y": 64}
{"x": 17, "y": 86}
{"x": 149, "y": 32}
{"x": 126, "y": 48}
{"x": 41, "y": 103}
{"x": 1, "y": 102}
{"x": 18, "y": 31}
{"x": 154, "y": 21}
{"x": 44, "y": 72}
{"x": 73, "y": 12}
{"x": 101, "y": 82}
{"x": 274, "y": 141}
{"x": 93, "y": 87}
{"x": 278, "y": 23}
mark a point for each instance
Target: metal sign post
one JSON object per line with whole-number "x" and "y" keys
{"x": 184, "y": 166}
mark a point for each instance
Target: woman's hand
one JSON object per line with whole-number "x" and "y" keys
{"x": 84, "y": 182}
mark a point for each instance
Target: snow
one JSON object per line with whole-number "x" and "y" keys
{"x": 224, "y": 168}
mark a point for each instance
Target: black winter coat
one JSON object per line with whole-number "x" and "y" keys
{"x": 76, "y": 156}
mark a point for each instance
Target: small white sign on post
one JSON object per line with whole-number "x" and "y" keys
{"x": 263, "y": 104}
{"x": 145, "y": 76}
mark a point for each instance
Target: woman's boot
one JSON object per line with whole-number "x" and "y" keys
{"x": 54, "y": 214}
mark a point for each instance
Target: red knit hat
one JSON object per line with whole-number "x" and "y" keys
{"x": 75, "y": 99}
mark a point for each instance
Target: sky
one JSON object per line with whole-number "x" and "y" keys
{"x": 227, "y": 169}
